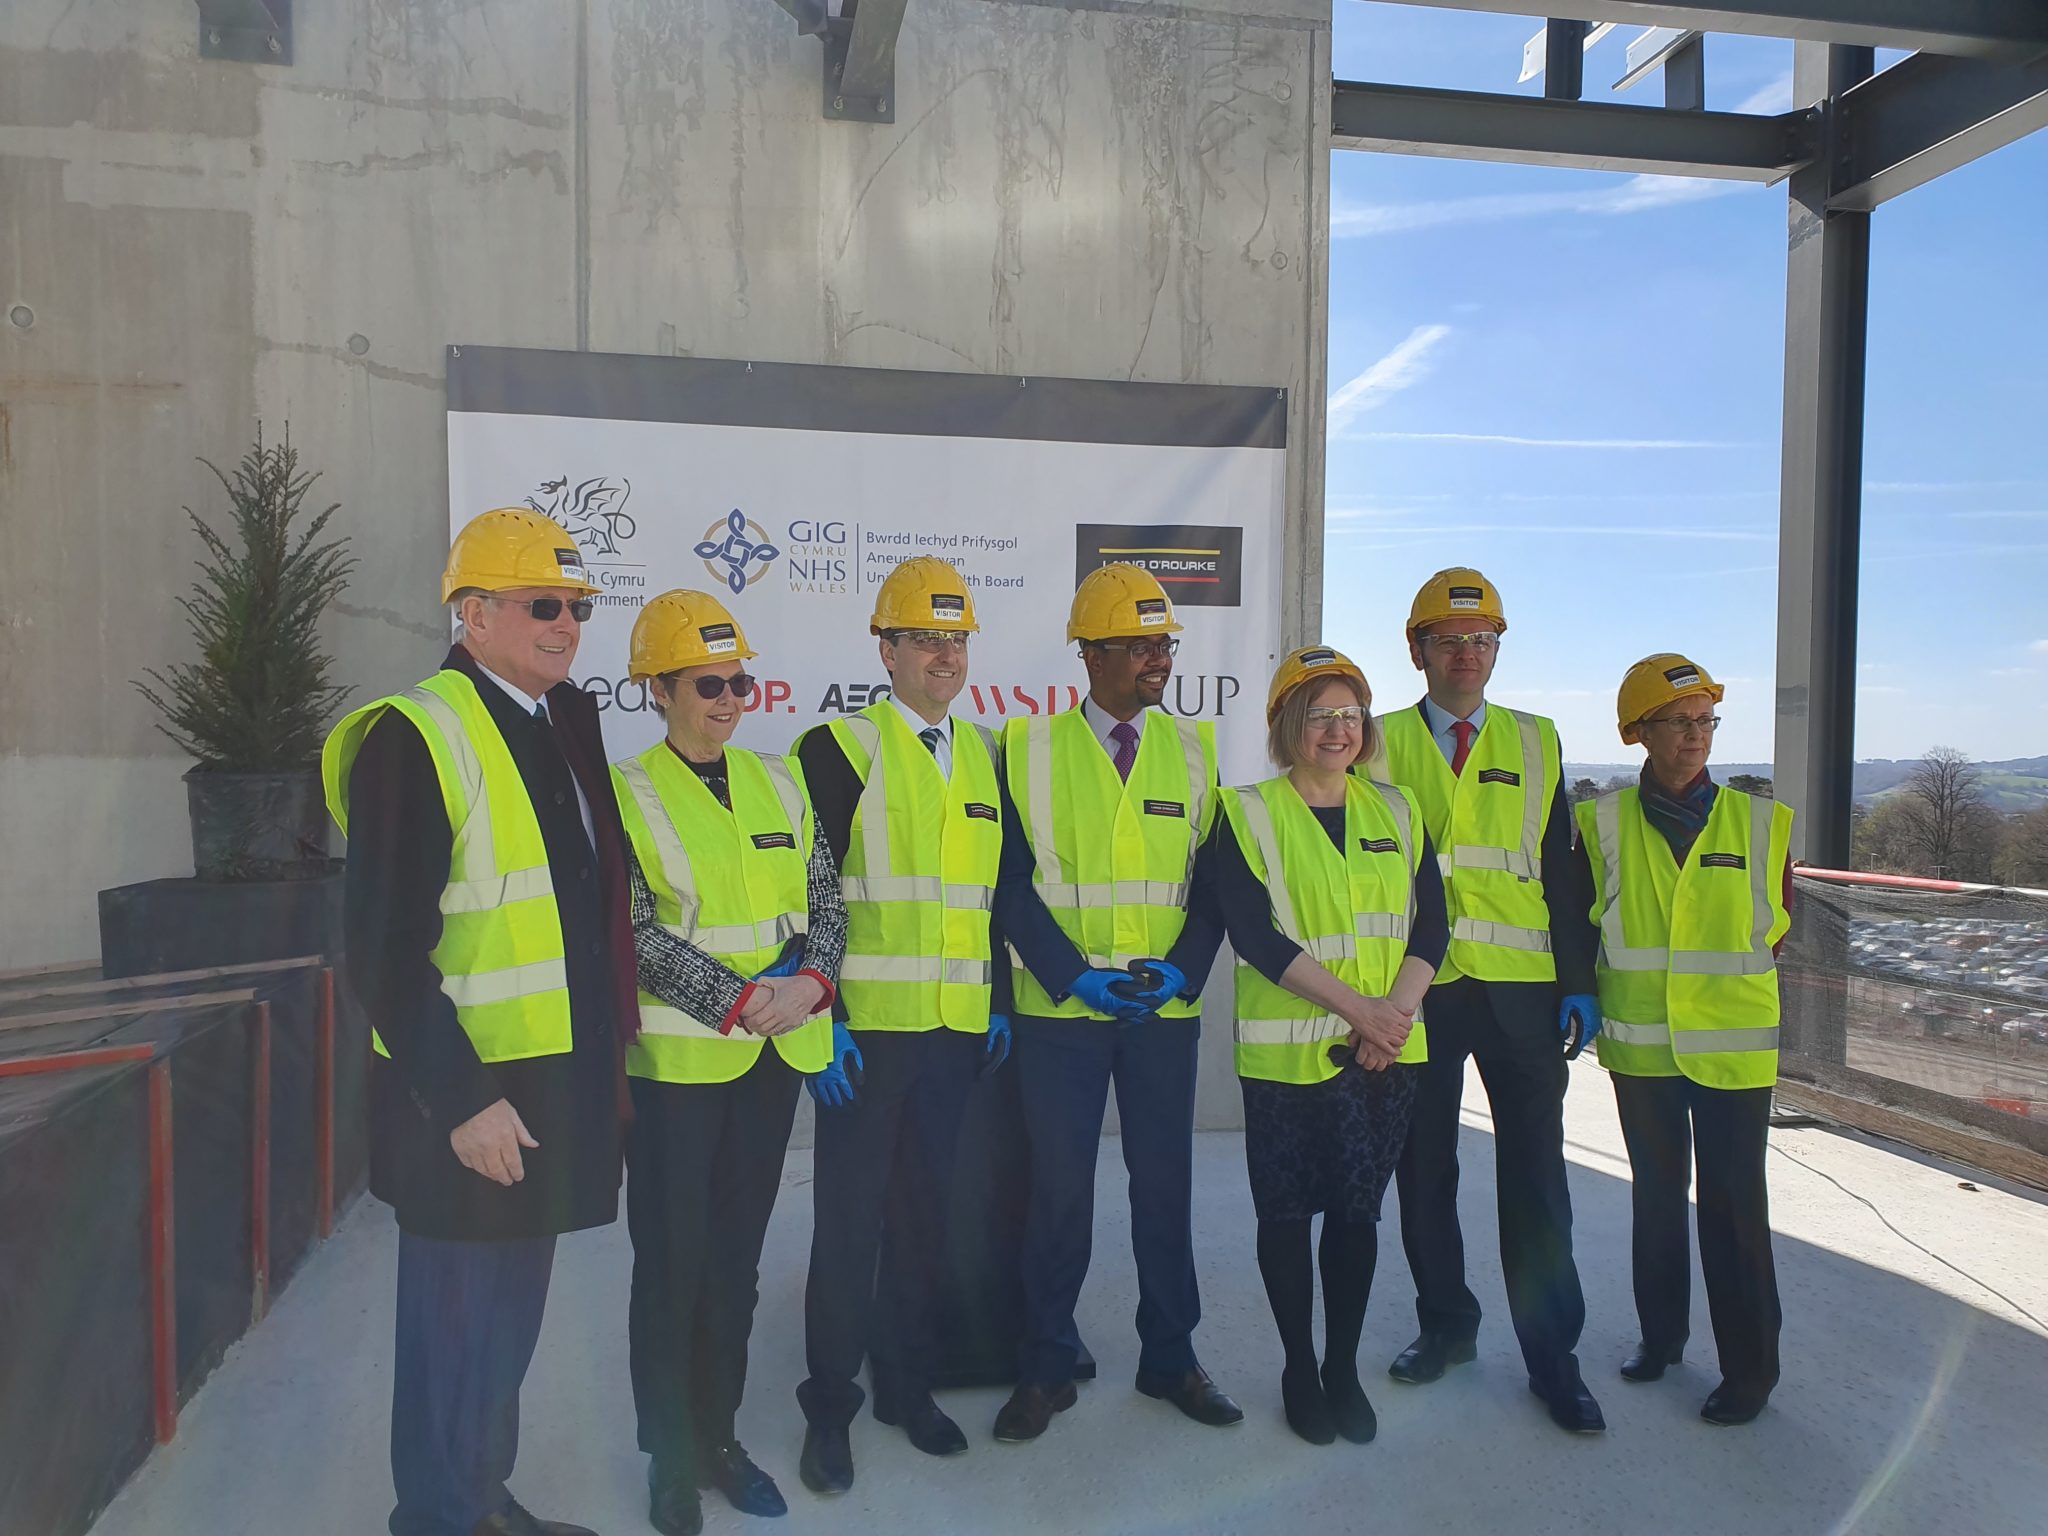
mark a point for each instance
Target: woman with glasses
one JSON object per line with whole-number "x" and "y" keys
{"x": 1692, "y": 895}
{"x": 738, "y": 930}
{"x": 1329, "y": 888}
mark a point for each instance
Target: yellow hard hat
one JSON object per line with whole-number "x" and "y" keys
{"x": 1654, "y": 682}
{"x": 513, "y": 547}
{"x": 1305, "y": 666}
{"x": 1120, "y": 601}
{"x": 923, "y": 592}
{"x": 683, "y": 629}
{"x": 1458, "y": 593}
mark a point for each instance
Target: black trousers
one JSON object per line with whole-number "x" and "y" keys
{"x": 703, "y": 1163}
{"x": 1671, "y": 1124}
{"x": 1064, "y": 1070}
{"x": 1525, "y": 1076}
{"x": 889, "y": 1154}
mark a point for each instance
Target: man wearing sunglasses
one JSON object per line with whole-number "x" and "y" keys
{"x": 1104, "y": 808}
{"x": 907, "y": 797}
{"x": 1490, "y": 782}
{"x": 489, "y": 942}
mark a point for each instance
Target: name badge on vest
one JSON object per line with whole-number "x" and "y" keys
{"x": 774, "y": 839}
{"x": 981, "y": 812}
{"x": 1166, "y": 808}
{"x": 1498, "y": 776}
{"x": 1379, "y": 845}
{"x": 1723, "y": 861}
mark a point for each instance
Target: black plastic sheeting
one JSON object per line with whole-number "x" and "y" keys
{"x": 77, "y": 1365}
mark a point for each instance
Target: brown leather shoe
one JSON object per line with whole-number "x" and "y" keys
{"x": 1030, "y": 1409}
{"x": 1194, "y": 1395}
{"x": 513, "y": 1520}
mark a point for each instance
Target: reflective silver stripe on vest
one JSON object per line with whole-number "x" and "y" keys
{"x": 964, "y": 973}
{"x": 1535, "y": 793}
{"x": 1508, "y": 860}
{"x": 1382, "y": 925}
{"x": 1760, "y": 811}
{"x": 1500, "y": 935}
{"x": 479, "y": 848}
{"x": 1038, "y": 790}
{"x": 1397, "y": 807}
{"x": 486, "y": 987}
{"x": 1708, "y": 1042}
{"x": 1258, "y": 818}
{"x": 739, "y": 938}
{"x": 497, "y": 891}
{"x": 673, "y": 857}
{"x": 1198, "y": 789}
{"x": 1114, "y": 893}
{"x": 1324, "y": 1026}
{"x": 1636, "y": 1034}
{"x": 890, "y": 887}
{"x": 874, "y": 840}
{"x": 786, "y": 791}
{"x": 660, "y": 1019}
{"x": 1616, "y": 955}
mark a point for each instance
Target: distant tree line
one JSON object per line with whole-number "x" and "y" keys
{"x": 1937, "y": 823}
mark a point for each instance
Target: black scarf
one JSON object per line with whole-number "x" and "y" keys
{"x": 1681, "y": 817}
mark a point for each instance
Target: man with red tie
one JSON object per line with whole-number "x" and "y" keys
{"x": 1519, "y": 972}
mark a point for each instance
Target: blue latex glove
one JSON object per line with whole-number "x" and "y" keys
{"x": 998, "y": 1049}
{"x": 1578, "y": 1014}
{"x": 791, "y": 962}
{"x": 832, "y": 1088}
{"x": 1172, "y": 979}
{"x": 1092, "y": 988}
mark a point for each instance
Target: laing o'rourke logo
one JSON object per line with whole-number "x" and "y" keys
{"x": 594, "y": 511}
{"x": 736, "y": 551}
{"x": 1199, "y": 566}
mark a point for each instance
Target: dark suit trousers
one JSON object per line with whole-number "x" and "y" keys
{"x": 1525, "y": 1076}
{"x": 1064, "y": 1070}
{"x": 1669, "y": 1124}
{"x": 891, "y": 1153}
{"x": 468, "y": 1319}
{"x": 703, "y": 1163}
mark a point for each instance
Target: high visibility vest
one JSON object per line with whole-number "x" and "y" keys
{"x": 732, "y": 883}
{"x": 1688, "y": 983}
{"x": 1487, "y": 824}
{"x": 1350, "y": 910}
{"x": 1112, "y": 859}
{"x": 919, "y": 876}
{"x": 500, "y": 954}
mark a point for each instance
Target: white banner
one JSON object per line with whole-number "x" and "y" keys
{"x": 795, "y": 527}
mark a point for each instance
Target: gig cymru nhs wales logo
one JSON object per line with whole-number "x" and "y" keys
{"x": 736, "y": 551}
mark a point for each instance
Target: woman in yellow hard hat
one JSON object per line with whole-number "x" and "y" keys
{"x": 1330, "y": 890}
{"x": 738, "y": 928}
{"x": 1692, "y": 895}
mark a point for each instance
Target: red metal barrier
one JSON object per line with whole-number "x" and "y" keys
{"x": 72, "y": 1061}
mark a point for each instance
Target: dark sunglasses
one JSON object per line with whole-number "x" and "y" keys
{"x": 740, "y": 683}
{"x": 548, "y": 609}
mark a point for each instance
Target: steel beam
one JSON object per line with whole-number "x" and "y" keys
{"x": 1583, "y": 135}
{"x": 1827, "y": 300}
{"x": 1564, "y": 59}
{"x": 860, "y": 61}
{"x": 1927, "y": 115}
{"x": 1968, "y": 28}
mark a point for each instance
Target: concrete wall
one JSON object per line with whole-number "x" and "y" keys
{"x": 1098, "y": 188}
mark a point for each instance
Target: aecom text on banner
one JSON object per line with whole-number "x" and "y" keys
{"x": 791, "y": 492}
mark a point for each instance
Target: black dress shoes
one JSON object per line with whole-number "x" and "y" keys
{"x": 928, "y": 1428}
{"x": 1030, "y": 1409}
{"x": 1571, "y": 1406}
{"x": 1648, "y": 1363}
{"x": 1195, "y": 1395}
{"x": 1728, "y": 1406}
{"x": 1350, "y": 1409}
{"x": 513, "y": 1520}
{"x": 1308, "y": 1410}
{"x": 1425, "y": 1359}
{"x": 827, "y": 1463}
{"x": 673, "y": 1507}
{"x": 730, "y": 1470}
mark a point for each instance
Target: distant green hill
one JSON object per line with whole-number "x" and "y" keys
{"x": 2016, "y": 784}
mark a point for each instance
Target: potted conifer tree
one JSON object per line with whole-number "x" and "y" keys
{"x": 254, "y": 707}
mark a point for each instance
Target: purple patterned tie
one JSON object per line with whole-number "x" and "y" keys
{"x": 1125, "y": 735}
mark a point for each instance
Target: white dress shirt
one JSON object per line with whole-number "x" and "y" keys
{"x": 528, "y": 704}
{"x": 942, "y": 753}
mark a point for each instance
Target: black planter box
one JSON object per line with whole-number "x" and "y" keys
{"x": 189, "y": 924}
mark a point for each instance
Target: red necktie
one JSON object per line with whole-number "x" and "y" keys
{"x": 1125, "y": 735}
{"x": 1464, "y": 730}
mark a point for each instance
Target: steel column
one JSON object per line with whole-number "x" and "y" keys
{"x": 1564, "y": 59}
{"x": 1969, "y": 28}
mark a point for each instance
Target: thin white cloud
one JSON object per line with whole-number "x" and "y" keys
{"x": 1772, "y": 98}
{"x": 1603, "y": 530}
{"x": 1396, "y": 371}
{"x": 1531, "y": 442}
{"x": 1638, "y": 194}
{"x": 2039, "y": 648}
{"x": 1943, "y": 487}
{"x": 2030, "y": 515}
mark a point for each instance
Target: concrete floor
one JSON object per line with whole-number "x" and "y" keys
{"x": 1915, "y": 1393}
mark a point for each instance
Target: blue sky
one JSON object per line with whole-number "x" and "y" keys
{"x": 1573, "y": 380}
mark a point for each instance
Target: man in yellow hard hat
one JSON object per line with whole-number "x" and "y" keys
{"x": 1104, "y": 809}
{"x": 490, "y": 945}
{"x": 1490, "y": 781}
{"x": 907, "y": 796}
